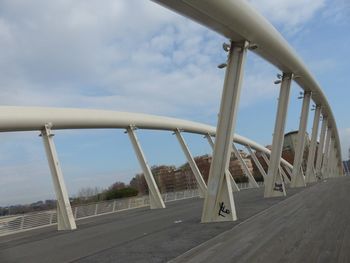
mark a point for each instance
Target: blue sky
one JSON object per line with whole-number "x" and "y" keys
{"x": 130, "y": 55}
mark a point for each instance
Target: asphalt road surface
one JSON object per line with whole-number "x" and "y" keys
{"x": 310, "y": 225}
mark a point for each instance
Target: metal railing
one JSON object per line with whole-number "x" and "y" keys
{"x": 18, "y": 223}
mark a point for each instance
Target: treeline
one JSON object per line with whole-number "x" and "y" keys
{"x": 28, "y": 208}
{"x": 168, "y": 179}
{"x": 115, "y": 191}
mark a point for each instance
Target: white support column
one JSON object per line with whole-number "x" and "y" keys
{"x": 298, "y": 179}
{"x": 155, "y": 197}
{"x": 326, "y": 152}
{"x": 65, "y": 218}
{"x": 197, "y": 174}
{"x": 320, "y": 147}
{"x": 328, "y": 160}
{"x": 331, "y": 160}
{"x": 256, "y": 161}
{"x": 283, "y": 176}
{"x": 273, "y": 185}
{"x": 310, "y": 167}
{"x": 252, "y": 182}
{"x": 219, "y": 204}
{"x": 234, "y": 186}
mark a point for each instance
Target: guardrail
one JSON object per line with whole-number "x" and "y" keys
{"x": 17, "y": 223}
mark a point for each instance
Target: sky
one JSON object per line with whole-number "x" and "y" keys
{"x": 131, "y": 55}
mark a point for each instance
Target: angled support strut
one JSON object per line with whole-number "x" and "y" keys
{"x": 155, "y": 197}
{"x": 234, "y": 186}
{"x": 197, "y": 174}
{"x": 274, "y": 186}
{"x": 65, "y": 218}
{"x": 298, "y": 179}
{"x": 252, "y": 182}
{"x": 310, "y": 167}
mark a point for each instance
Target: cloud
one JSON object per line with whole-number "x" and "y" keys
{"x": 291, "y": 15}
{"x": 80, "y": 54}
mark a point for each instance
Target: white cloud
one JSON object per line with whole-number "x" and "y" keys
{"x": 291, "y": 15}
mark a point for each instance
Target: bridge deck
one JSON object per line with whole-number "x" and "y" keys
{"x": 310, "y": 223}
{"x": 312, "y": 226}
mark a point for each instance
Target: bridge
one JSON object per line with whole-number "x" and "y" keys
{"x": 219, "y": 202}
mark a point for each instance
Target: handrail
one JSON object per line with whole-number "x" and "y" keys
{"x": 239, "y": 21}
{"x": 35, "y": 118}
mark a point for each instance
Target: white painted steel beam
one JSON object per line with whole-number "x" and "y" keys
{"x": 256, "y": 161}
{"x": 252, "y": 182}
{"x": 219, "y": 195}
{"x": 234, "y": 186}
{"x": 239, "y": 21}
{"x": 326, "y": 152}
{"x": 282, "y": 175}
{"x": 289, "y": 171}
{"x": 155, "y": 197}
{"x": 298, "y": 179}
{"x": 65, "y": 218}
{"x": 328, "y": 160}
{"x": 321, "y": 147}
{"x": 273, "y": 185}
{"x": 202, "y": 187}
{"x": 34, "y": 118}
{"x": 310, "y": 167}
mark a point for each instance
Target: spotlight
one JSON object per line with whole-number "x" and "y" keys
{"x": 222, "y": 65}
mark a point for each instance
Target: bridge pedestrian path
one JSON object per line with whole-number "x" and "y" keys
{"x": 144, "y": 235}
{"x": 311, "y": 226}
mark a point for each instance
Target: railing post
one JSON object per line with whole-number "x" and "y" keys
{"x": 310, "y": 167}
{"x": 219, "y": 195}
{"x": 96, "y": 208}
{"x": 252, "y": 182}
{"x": 320, "y": 147}
{"x": 76, "y": 212}
{"x": 22, "y": 222}
{"x": 197, "y": 174}
{"x": 51, "y": 218}
{"x": 298, "y": 179}
{"x": 156, "y": 200}
{"x": 114, "y": 204}
{"x": 65, "y": 218}
{"x": 274, "y": 186}
{"x": 234, "y": 186}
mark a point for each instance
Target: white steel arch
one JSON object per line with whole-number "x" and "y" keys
{"x": 246, "y": 29}
{"x": 46, "y": 120}
{"x": 35, "y": 118}
{"x": 239, "y": 22}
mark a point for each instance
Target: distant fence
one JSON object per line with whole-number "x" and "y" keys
{"x": 17, "y": 223}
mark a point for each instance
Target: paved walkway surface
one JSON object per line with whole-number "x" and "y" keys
{"x": 311, "y": 223}
{"x": 311, "y": 226}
